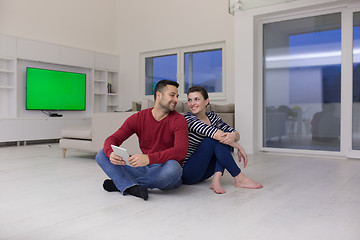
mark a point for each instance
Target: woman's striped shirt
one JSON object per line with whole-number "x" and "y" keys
{"x": 198, "y": 130}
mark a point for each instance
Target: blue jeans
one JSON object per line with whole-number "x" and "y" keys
{"x": 163, "y": 176}
{"x": 210, "y": 157}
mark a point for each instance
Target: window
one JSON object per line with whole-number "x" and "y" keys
{"x": 201, "y": 65}
{"x": 204, "y": 69}
{"x": 158, "y": 68}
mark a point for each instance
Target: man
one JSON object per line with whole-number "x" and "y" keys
{"x": 163, "y": 140}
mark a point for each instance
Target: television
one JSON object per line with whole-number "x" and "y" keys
{"x": 53, "y": 90}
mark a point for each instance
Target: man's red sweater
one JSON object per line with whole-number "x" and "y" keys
{"x": 161, "y": 140}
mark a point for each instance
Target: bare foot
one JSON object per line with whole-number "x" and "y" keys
{"x": 242, "y": 181}
{"x": 217, "y": 188}
{"x": 216, "y": 185}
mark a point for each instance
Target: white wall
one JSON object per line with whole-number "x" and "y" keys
{"x": 85, "y": 24}
{"x": 162, "y": 24}
{"x": 124, "y": 28}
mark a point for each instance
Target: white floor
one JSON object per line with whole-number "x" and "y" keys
{"x": 43, "y": 196}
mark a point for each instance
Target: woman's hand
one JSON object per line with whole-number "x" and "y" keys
{"x": 228, "y": 138}
{"x": 242, "y": 154}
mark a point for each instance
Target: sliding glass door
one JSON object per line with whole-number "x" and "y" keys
{"x": 311, "y": 83}
{"x": 302, "y": 83}
{"x": 356, "y": 84}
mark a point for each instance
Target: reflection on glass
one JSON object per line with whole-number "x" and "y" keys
{"x": 159, "y": 68}
{"x": 356, "y": 83}
{"x": 204, "y": 69}
{"x": 302, "y": 79}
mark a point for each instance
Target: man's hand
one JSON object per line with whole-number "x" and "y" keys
{"x": 116, "y": 160}
{"x": 139, "y": 160}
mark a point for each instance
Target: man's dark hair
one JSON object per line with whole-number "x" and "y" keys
{"x": 198, "y": 89}
{"x": 162, "y": 84}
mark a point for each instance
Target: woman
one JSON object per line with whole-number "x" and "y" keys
{"x": 210, "y": 144}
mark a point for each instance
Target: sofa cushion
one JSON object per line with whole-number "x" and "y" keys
{"x": 136, "y": 106}
{"x": 182, "y": 107}
{"x": 228, "y": 118}
{"x": 179, "y": 107}
{"x": 69, "y": 143}
{"x": 105, "y": 124}
{"x": 147, "y": 103}
{"x": 227, "y": 108}
{"x": 80, "y": 132}
{"x": 186, "y": 108}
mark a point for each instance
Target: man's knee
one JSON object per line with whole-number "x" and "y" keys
{"x": 170, "y": 176}
{"x": 100, "y": 157}
{"x": 172, "y": 168}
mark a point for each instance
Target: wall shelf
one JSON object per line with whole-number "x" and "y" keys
{"x": 8, "y": 85}
{"x": 105, "y": 99}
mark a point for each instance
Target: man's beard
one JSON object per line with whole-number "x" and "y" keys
{"x": 168, "y": 106}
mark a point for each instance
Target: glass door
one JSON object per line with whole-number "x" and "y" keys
{"x": 302, "y": 83}
{"x": 355, "y": 141}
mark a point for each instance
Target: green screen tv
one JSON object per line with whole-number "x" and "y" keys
{"x": 53, "y": 90}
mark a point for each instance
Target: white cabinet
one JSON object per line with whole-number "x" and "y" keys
{"x": 49, "y": 128}
{"x": 11, "y": 130}
{"x": 26, "y": 129}
{"x": 8, "y": 87}
{"x": 105, "y": 87}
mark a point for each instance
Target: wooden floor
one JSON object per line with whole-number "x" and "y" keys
{"x": 43, "y": 196}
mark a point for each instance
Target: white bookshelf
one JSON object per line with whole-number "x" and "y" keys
{"x": 8, "y": 87}
{"x": 112, "y": 96}
{"x": 105, "y": 99}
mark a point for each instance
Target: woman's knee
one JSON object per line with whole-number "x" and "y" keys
{"x": 222, "y": 147}
{"x": 190, "y": 176}
{"x": 209, "y": 141}
{"x": 189, "y": 180}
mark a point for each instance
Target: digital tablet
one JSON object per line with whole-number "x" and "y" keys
{"x": 121, "y": 152}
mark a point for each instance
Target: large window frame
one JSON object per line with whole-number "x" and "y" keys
{"x": 180, "y": 52}
{"x": 346, "y": 76}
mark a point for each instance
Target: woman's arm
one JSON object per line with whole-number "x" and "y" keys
{"x": 218, "y": 129}
{"x": 218, "y": 135}
{"x": 241, "y": 153}
{"x": 227, "y": 137}
{"x": 231, "y": 140}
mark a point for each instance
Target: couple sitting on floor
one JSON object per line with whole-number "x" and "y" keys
{"x": 175, "y": 149}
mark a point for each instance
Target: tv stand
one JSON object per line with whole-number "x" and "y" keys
{"x": 51, "y": 114}
{"x": 29, "y": 129}
{"x": 55, "y": 115}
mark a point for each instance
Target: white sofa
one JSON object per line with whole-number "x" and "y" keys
{"x": 91, "y": 138}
